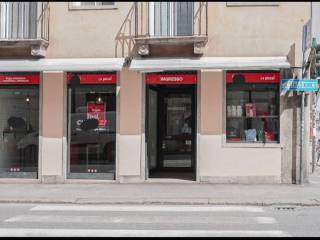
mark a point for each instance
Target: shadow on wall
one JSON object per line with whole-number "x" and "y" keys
{"x": 124, "y": 42}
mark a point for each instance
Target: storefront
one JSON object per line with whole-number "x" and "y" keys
{"x": 91, "y": 125}
{"x": 235, "y": 116}
{"x": 171, "y": 124}
{"x": 19, "y": 125}
{"x": 218, "y": 120}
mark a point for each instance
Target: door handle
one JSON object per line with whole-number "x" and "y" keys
{"x": 163, "y": 145}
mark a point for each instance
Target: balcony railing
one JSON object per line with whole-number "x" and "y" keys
{"x": 24, "y": 21}
{"x": 171, "y": 19}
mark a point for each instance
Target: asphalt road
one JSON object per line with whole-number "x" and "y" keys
{"x": 73, "y": 220}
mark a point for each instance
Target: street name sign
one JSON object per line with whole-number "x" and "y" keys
{"x": 303, "y": 85}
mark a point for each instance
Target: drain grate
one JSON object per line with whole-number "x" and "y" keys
{"x": 285, "y": 208}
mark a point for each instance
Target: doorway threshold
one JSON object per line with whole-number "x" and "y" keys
{"x": 169, "y": 180}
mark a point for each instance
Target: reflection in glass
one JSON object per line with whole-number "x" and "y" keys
{"x": 177, "y": 146}
{"x": 92, "y": 131}
{"x": 19, "y": 125}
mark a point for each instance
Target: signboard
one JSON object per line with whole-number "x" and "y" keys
{"x": 153, "y": 78}
{"x": 97, "y": 111}
{"x": 304, "y": 85}
{"x": 315, "y": 21}
{"x": 94, "y": 78}
{"x": 253, "y": 77}
{"x": 19, "y": 79}
{"x": 306, "y": 36}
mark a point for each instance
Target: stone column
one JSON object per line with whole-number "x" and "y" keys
{"x": 130, "y": 138}
{"x": 52, "y": 112}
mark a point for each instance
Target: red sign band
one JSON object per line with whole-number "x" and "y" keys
{"x": 19, "y": 79}
{"x": 248, "y": 77}
{"x": 153, "y": 78}
{"x": 94, "y": 78}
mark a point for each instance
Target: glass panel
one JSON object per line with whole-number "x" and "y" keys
{"x": 184, "y": 15}
{"x": 93, "y": 132}
{"x": 19, "y": 124}
{"x": 177, "y": 138}
{"x": 161, "y": 18}
{"x": 173, "y": 18}
{"x": 152, "y": 128}
{"x": 252, "y": 113}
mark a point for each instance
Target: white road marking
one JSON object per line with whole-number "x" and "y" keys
{"x": 133, "y": 219}
{"x": 45, "y": 232}
{"x": 266, "y": 220}
{"x": 118, "y": 208}
{"x": 145, "y": 219}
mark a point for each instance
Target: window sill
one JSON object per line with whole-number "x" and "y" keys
{"x": 251, "y": 145}
{"x": 252, "y": 4}
{"x": 73, "y": 8}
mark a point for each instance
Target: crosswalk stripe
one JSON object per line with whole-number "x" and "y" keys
{"x": 145, "y": 219}
{"x": 146, "y": 208}
{"x": 45, "y": 232}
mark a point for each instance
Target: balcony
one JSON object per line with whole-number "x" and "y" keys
{"x": 167, "y": 26}
{"x": 24, "y": 29}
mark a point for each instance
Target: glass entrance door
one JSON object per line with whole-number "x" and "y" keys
{"x": 170, "y": 131}
{"x": 176, "y": 130}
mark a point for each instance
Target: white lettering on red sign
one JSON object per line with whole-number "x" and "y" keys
{"x": 171, "y": 79}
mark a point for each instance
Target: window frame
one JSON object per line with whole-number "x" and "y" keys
{"x": 71, "y": 7}
{"x": 229, "y": 144}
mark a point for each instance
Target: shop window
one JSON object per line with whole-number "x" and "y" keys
{"x": 252, "y": 107}
{"x": 92, "y": 125}
{"x": 19, "y": 125}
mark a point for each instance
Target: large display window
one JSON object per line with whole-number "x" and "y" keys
{"x": 92, "y": 125}
{"x": 19, "y": 125}
{"x": 252, "y": 107}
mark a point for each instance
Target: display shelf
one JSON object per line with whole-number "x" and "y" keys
{"x": 245, "y": 117}
{"x": 244, "y": 141}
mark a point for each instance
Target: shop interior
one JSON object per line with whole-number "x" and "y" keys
{"x": 19, "y": 125}
{"x": 92, "y": 131}
{"x": 170, "y": 130}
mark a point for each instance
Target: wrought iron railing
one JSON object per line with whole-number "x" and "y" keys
{"x": 166, "y": 19}
{"x": 24, "y": 20}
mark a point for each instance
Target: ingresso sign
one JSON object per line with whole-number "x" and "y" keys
{"x": 304, "y": 85}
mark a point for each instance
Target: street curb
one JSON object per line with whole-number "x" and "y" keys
{"x": 160, "y": 202}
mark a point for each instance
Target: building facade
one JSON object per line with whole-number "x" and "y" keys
{"x": 151, "y": 91}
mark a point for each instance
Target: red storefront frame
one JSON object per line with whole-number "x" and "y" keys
{"x": 253, "y": 77}
{"x": 19, "y": 79}
{"x": 94, "y": 78}
{"x": 154, "y": 78}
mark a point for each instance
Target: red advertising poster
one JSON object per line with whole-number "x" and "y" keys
{"x": 19, "y": 79}
{"x": 95, "y": 78}
{"x": 153, "y": 78}
{"x": 249, "y": 77}
{"x": 97, "y": 111}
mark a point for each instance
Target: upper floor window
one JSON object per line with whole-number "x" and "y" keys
{"x": 91, "y": 5}
{"x": 171, "y": 18}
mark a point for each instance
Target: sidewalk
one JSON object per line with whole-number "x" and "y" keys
{"x": 166, "y": 193}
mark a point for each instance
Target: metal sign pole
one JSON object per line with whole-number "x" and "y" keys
{"x": 302, "y": 147}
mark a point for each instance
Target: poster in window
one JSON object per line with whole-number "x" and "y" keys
{"x": 97, "y": 111}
